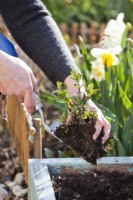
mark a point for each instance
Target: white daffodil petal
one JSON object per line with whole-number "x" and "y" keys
{"x": 114, "y": 30}
{"x": 96, "y": 52}
{"x": 97, "y": 73}
{"x": 120, "y": 17}
{"x": 107, "y": 42}
{"x": 111, "y": 26}
{"x": 116, "y": 50}
{"x": 97, "y": 63}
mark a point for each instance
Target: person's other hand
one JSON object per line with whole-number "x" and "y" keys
{"x": 16, "y": 78}
{"x": 101, "y": 121}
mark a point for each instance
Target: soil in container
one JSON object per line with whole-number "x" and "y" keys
{"x": 94, "y": 185}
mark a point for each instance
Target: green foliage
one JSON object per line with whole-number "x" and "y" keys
{"x": 68, "y": 153}
{"x": 62, "y": 94}
{"x": 126, "y": 101}
{"x": 50, "y": 99}
{"x": 61, "y": 154}
{"x": 88, "y": 10}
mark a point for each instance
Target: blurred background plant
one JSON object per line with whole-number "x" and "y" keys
{"x": 89, "y": 10}
{"x": 110, "y": 68}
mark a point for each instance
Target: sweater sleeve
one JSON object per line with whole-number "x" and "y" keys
{"x": 36, "y": 32}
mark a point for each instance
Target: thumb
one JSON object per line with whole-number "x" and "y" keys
{"x": 33, "y": 80}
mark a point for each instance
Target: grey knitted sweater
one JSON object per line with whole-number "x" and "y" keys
{"x": 37, "y": 34}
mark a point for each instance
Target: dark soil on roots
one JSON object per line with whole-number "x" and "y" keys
{"x": 79, "y": 138}
{"x": 94, "y": 185}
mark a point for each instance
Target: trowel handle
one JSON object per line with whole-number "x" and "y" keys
{"x": 37, "y": 102}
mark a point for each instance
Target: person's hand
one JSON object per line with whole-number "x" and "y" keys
{"x": 16, "y": 78}
{"x": 101, "y": 121}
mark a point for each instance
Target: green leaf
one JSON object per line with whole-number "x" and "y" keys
{"x": 59, "y": 85}
{"x": 127, "y": 86}
{"x": 83, "y": 48}
{"x": 76, "y": 76}
{"x": 66, "y": 154}
{"x": 126, "y": 101}
{"x": 124, "y": 37}
{"x": 120, "y": 149}
{"x": 127, "y": 132}
{"x": 129, "y": 59}
{"x": 51, "y": 100}
{"x": 120, "y": 70}
{"x": 90, "y": 91}
{"x": 111, "y": 117}
{"x": 85, "y": 54}
{"x": 90, "y": 86}
{"x": 131, "y": 144}
{"x": 104, "y": 93}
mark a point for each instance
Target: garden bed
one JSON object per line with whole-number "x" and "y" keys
{"x": 81, "y": 180}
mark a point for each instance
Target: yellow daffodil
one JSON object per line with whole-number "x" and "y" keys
{"x": 108, "y": 56}
{"x": 107, "y": 60}
{"x": 97, "y": 71}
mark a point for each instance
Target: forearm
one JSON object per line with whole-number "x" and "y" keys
{"x": 38, "y": 35}
{"x": 72, "y": 90}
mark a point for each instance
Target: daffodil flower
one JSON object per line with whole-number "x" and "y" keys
{"x": 97, "y": 71}
{"x": 114, "y": 32}
{"x": 108, "y": 56}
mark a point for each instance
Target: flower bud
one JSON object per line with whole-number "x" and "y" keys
{"x": 129, "y": 26}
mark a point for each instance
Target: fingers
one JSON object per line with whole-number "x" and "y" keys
{"x": 102, "y": 123}
{"x": 98, "y": 127}
{"x": 106, "y": 130}
{"x": 27, "y": 97}
{"x": 21, "y": 99}
{"x": 19, "y": 80}
{"x": 28, "y": 100}
{"x": 34, "y": 82}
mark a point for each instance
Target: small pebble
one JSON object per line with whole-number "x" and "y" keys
{"x": 19, "y": 178}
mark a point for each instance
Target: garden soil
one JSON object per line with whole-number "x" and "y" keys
{"x": 96, "y": 184}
